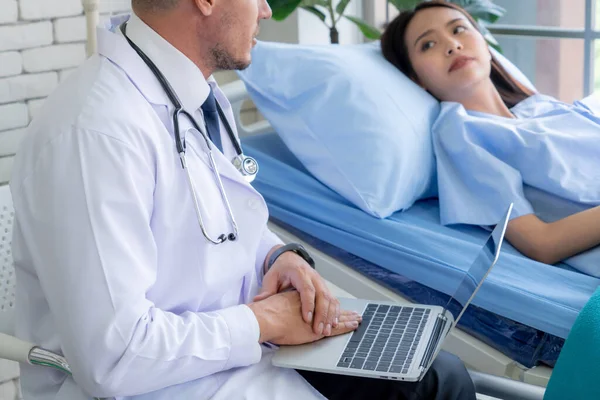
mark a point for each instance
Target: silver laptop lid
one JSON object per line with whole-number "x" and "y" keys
{"x": 479, "y": 270}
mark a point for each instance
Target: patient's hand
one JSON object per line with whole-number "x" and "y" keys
{"x": 280, "y": 320}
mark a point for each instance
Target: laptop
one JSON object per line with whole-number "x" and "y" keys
{"x": 395, "y": 341}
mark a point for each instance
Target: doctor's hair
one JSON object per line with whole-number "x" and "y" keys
{"x": 153, "y": 5}
{"x": 393, "y": 47}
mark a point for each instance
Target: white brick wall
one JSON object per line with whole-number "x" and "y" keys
{"x": 11, "y": 63}
{"x": 52, "y": 58}
{"x": 13, "y": 116}
{"x": 10, "y": 11}
{"x": 46, "y": 9}
{"x": 41, "y": 43}
{"x": 24, "y": 36}
{"x": 9, "y": 141}
{"x": 70, "y": 29}
{"x": 27, "y": 86}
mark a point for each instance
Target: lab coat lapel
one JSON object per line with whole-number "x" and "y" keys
{"x": 114, "y": 47}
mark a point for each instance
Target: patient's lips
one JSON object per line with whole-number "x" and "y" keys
{"x": 460, "y": 62}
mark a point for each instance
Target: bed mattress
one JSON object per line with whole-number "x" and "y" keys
{"x": 524, "y": 308}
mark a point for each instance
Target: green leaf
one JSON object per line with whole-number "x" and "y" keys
{"x": 482, "y": 9}
{"x": 497, "y": 47}
{"x": 402, "y": 5}
{"x": 369, "y": 31}
{"x": 488, "y": 36}
{"x": 312, "y": 3}
{"x": 283, "y": 8}
{"x": 341, "y": 7}
{"x": 315, "y": 11}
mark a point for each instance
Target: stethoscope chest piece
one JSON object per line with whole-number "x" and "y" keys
{"x": 247, "y": 166}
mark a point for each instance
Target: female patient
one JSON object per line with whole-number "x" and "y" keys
{"x": 498, "y": 142}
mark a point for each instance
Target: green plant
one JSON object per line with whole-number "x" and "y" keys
{"x": 485, "y": 12}
{"x": 321, "y": 9}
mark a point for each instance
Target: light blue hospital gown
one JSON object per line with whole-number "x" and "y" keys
{"x": 546, "y": 161}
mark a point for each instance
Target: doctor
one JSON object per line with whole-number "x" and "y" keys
{"x": 140, "y": 248}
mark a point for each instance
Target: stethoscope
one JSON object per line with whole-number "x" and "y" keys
{"x": 247, "y": 166}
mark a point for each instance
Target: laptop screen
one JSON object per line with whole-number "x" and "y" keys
{"x": 479, "y": 270}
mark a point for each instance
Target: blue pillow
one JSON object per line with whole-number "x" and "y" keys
{"x": 354, "y": 121}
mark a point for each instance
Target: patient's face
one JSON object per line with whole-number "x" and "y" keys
{"x": 447, "y": 53}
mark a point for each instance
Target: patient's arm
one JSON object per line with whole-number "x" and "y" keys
{"x": 553, "y": 242}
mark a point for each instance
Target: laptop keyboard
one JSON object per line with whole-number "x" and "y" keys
{"x": 386, "y": 340}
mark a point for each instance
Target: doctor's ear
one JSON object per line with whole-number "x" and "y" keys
{"x": 206, "y": 7}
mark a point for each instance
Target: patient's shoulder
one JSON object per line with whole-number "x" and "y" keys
{"x": 451, "y": 122}
{"x": 536, "y": 105}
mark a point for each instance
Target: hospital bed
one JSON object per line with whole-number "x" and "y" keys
{"x": 343, "y": 281}
{"x": 14, "y": 350}
{"x": 475, "y": 353}
{"x": 302, "y": 210}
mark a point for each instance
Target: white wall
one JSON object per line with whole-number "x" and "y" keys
{"x": 305, "y": 28}
{"x": 41, "y": 41}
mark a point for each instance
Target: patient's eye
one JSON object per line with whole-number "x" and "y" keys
{"x": 459, "y": 29}
{"x": 427, "y": 45}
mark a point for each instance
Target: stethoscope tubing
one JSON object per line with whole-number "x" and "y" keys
{"x": 181, "y": 148}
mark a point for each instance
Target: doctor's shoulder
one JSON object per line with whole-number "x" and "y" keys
{"x": 100, "y": 97}
{"x": 96, "y": 99}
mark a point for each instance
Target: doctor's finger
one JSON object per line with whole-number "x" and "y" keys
{"x": 348, "y": 316}
{"x": 307, "y": 298}
{"x": 323, "y": 300}
{"x": 269, "y": 287}
{"x": 347, "y": 323}
{"x": 337, "y": 314}
{"x": 331, "y": 316}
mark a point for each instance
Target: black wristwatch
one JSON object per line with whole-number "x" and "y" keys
{"x": 296, "y": 248}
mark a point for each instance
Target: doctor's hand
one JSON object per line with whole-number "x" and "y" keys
{"x": 280, "y": 320}
{"x": 319, "y": 307}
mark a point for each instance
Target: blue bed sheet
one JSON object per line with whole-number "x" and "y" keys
{"x": 521, "y": 343}
{"x": 416, "y": 246}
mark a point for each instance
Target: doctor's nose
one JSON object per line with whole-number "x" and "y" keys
{"x": 264, "y": 10}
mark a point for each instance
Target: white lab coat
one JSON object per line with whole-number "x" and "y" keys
{"x": 112, "y": 268}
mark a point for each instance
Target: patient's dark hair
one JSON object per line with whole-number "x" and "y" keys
{"x": 153, "y": 5}
{"x": 393, "y": 46}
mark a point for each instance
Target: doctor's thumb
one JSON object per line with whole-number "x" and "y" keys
{"x": 269, "y": 288}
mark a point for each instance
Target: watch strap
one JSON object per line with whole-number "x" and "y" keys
{"x": 294, "y": 247}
